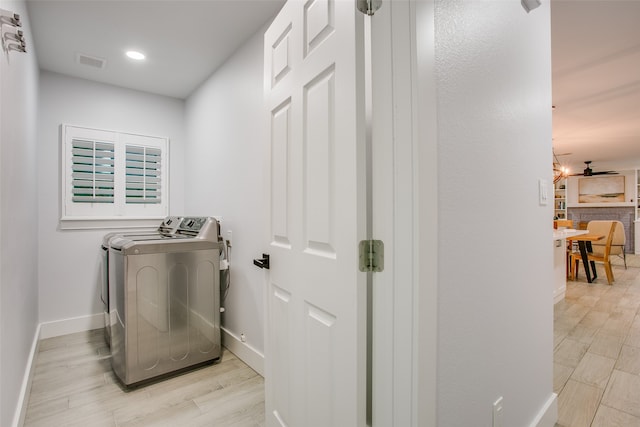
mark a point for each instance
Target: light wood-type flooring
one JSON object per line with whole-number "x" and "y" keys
{"x": 73, "y": 385}
{"x": 596, "y": 372}
{"x": 597, "y": 349}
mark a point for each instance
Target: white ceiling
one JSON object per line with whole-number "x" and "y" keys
{"x": 595, "y": 58}
{"x": 184, "y": 40}
{"x": 596, "y": 82}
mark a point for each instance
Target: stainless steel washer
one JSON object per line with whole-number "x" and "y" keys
{"x": 164, "y": 300}
{"x": 168, "y": 226}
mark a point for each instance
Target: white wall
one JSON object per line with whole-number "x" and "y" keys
{"x": 68, "y": 267}
{"x": 18, "y": 216}
{"x": 224, "y": 158}
{"x": 495, "y": 318}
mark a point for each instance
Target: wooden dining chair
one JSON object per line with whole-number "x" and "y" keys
{"x": 568, "y": 223}
{"x": 597, "y": 257}
{"x": 619, "y": 243}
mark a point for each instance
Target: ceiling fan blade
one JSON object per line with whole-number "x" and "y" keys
{"x": 589, "y": 172}
{"x": 595, "y": 173}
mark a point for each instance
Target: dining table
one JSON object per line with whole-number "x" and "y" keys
{"x": 584, "y": 244}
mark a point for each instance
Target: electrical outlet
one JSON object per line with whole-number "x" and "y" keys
{"x": 498, "y": 413}
{"x": 243, "y": 338}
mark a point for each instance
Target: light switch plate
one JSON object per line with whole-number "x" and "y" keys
{"x": 543, "y": 192}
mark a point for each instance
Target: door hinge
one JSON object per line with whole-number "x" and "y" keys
{"x": 371, "y": 255}
{"x": 368, "y": 7}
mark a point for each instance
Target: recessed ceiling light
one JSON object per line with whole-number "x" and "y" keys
{"x": 138, "y": 56}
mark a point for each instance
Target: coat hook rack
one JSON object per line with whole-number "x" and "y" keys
{"x": 12, "y": 37}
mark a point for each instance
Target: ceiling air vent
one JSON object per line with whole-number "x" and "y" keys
{"x": 91, "y": 61}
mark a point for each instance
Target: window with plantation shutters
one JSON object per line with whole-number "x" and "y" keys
{"x": 109, "y": 175}
{"x": 143, "y": 179}
{"x": 93, "y": 171}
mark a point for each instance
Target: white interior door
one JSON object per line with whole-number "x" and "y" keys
{"x": 315, "y": 340}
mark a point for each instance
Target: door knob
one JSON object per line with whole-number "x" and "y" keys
{"x": 262, "y": 262}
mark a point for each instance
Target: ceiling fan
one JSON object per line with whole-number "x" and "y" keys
{"x": 589, "y": 172}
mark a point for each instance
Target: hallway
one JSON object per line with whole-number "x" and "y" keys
{"x": 597, "y": 349}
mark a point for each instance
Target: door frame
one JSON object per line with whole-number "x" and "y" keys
{"x": 405, "y": 213}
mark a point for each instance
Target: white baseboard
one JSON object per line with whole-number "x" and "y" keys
{"x": 558, "y": 294}
{"x": 71, "y": 325}
{"x": 548, "y": 415}
{"x": 25, "y": 389}
{"x": 243, "y": 351}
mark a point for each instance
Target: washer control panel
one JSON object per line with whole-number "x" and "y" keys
{"x": 193, "y": 223}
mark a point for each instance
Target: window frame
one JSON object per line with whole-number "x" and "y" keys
{"x": 119, "y": 213}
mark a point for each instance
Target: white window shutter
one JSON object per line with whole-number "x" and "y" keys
{"x": 92, "y": 171}
{"x": 143, "y": 176}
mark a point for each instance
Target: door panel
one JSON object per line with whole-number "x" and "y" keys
{"x": 318, "y": 23}
{"x": 280, "y": 353}
{"x": 319, "y": 164}
{"x": 280, "y": 130}
{"x": 320, "y": 336}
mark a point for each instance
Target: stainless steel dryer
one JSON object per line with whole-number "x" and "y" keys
{"x": 164, "y": 300}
